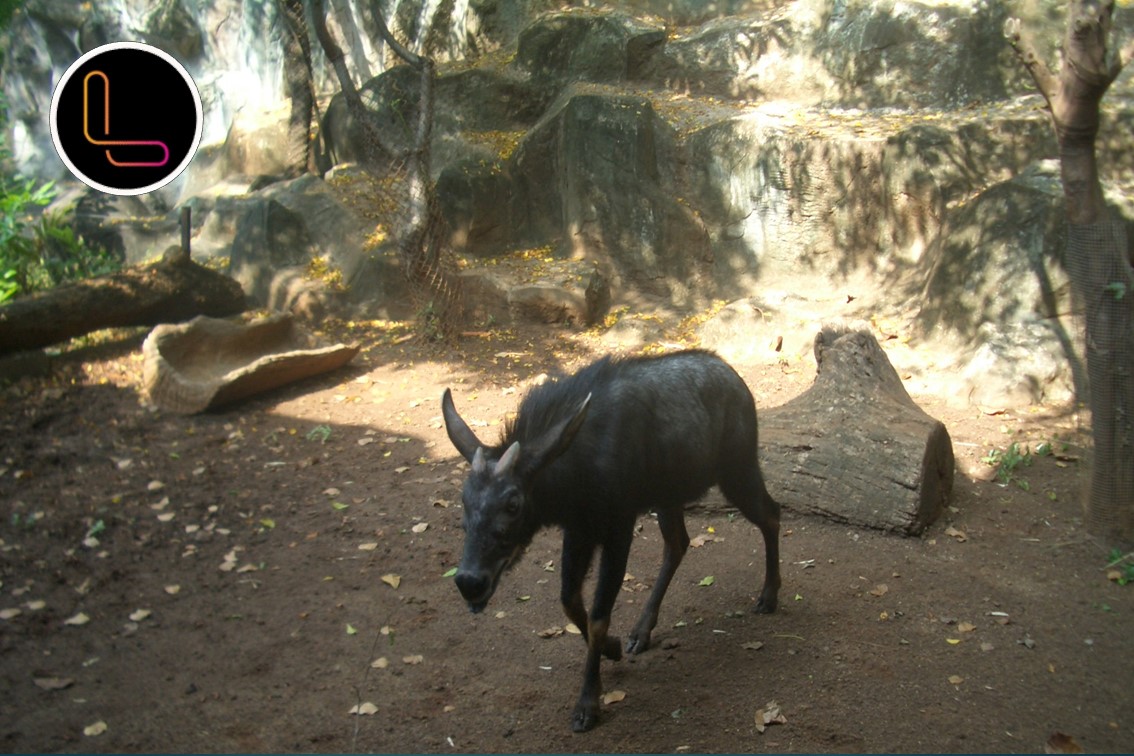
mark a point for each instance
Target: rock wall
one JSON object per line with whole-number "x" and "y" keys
{"x": 666, "y": 152}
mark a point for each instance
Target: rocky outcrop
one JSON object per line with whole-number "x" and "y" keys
{"x": 763, "y": 152}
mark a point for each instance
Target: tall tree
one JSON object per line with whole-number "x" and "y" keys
{"x": 300, "y": 88}
{"x": 1099, "y": 256}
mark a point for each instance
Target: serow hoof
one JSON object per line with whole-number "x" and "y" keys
{"x": 584, "y": 718}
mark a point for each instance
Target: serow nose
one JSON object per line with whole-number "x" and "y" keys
{"x": 472, "y": 585}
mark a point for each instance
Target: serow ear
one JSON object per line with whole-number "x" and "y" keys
{"x": 548, "y": 447}
{"x": 459, "y": 431}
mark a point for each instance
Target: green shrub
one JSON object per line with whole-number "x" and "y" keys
{"x": 37, "y": 254}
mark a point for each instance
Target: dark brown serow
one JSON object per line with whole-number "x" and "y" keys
{"x": 590, "y": 453}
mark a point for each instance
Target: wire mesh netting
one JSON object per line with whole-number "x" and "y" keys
{"x": 1099, "y": 261}
{"x": 391, "y": 129}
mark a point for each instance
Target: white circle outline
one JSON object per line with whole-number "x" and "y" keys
{"x": 55, "y": 124}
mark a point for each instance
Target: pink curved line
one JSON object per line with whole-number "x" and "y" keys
{"x": 106, "y": 128}
{"x": 164, "y": 160}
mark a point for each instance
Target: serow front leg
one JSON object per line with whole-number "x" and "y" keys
{"x": 612, "y": 568}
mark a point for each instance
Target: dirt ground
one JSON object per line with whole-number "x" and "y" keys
{"x": 239, "y": 581}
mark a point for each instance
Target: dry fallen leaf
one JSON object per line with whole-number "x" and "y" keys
{"x": 880, "y": 590}
{"x": 956, "y": 679}
{"x": 380, "y": 663}
{"x": 368, "y": 547}
{"x": 958, "y": 534}
{"x": 229, "y": 563}
{"x": 365, "y": 709}
{"x": 139, "y": 615}
{"x": 1061, "y": 743}
{"x": 77, "y": 620}
{"x": 421, "y": 527}
{"x": 966, "y": 627}
{"x": 392, "y": 580}
{"x": 572, "y": 628}
{"x": 54, "y": 683}
{"x": 613, "y": 696}
{"x": 752, "y": 645}
{"x": 173, "y": 590}
{"x": 413, "y": 659}
{"x": 551, "y": 632}
{"x": 95, "y": 729}
{"x": 769, "y": 714}
{"x": 12, "y": 613}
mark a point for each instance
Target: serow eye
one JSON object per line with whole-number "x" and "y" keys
{"x": 512, "y": 507}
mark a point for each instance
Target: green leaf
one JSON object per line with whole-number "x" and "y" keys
{"x": 450, "y": 572}
{"x": 350, "y": 629}
{"x": 707, "y": 581}
{"x": 339, "y": 506}
{"x": 1116, "y": 288}
{"x": 268, "y": 523}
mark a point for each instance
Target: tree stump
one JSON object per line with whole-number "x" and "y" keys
{"x": 854, "y": 447}
{"x": 172, "y": 290}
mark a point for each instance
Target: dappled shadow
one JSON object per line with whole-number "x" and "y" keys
{"x": 838, "y": 195}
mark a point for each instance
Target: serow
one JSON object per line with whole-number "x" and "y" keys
{"x": 589, "y": 453}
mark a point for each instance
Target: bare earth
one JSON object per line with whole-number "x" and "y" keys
{"x": 239, "y": 581}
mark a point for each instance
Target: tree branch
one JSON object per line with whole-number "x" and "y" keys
{"x": 1124, "y": 56}
{"x": 1025, "y": 50}
{"x": 399, "y": 49}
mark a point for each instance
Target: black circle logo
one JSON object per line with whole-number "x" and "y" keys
{"x": 126, "y": 118}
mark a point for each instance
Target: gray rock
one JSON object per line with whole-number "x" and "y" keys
{"x": 1017, "y": 364}
{"x": 598, "y": 175}
{"x": 268, "y": 240}
{"x": 832, "y": 194}
{"x": 548, "y": 303}
{"x": 587, "y": 46}
{"x": 477, "y": 199}
{"x": 999, "y": 258}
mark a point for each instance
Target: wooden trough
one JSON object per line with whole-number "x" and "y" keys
{"x": 207, "y": 363}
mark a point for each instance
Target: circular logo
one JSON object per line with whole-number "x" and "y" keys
{"x": 126, "y": 118}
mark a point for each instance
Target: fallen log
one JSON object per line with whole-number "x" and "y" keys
{"x": 854, "y": 447}
{"x": 171, "y": 290}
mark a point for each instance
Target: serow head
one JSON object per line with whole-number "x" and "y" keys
{"x": 500, "y": 518}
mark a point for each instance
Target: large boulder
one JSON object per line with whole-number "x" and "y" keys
{"x": 999, "y": 258}
{"x": 911, "y": 53}
{"x": 585, "y": 45}
{"x": 467, "y": 100}
{"x": 784, "y": 192}
{"x": 997, "y": 294}
{"x": 599, "y": 175}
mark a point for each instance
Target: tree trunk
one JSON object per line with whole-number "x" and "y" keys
{"x": 169, "y": 291}
{"x": 377, "y": 155}
{"x": 854, "y": 447}
{"x": 298, "y": 82}
{"x": 1099, "y": 255}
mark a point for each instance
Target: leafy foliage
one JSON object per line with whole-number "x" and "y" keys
{"x": 1124, "y": 564}
{"x": 36, "y": 254}
{"x": 1008, "y": 461}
